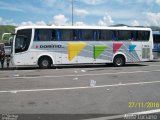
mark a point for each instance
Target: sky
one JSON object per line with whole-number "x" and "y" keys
{"x": 85, "y": 12}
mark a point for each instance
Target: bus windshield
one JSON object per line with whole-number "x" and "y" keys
{"x": 22, "y": 40}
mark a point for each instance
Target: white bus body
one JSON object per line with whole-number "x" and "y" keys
{"x": 47, "y": 45}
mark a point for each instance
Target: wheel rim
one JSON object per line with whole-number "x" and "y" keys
{"x": 45, "y": 63}
{"x": 119, "y": 61}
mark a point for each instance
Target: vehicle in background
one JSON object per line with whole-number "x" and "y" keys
{"x": 7, "y": 50}
{"x": 7, "y": 45}
{"x": 56, "y": 45}
{"x": 156, "y": 41}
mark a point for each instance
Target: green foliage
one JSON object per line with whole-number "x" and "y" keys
{"x": 6, "y": 29}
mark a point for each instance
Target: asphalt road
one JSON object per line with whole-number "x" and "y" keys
{"x": 88, "y": 90}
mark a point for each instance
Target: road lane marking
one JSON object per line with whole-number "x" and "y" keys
{"x": 76, "y": 88}
{"x": 81, "y": 75}
{"x": 6, "y": 71}
{"x": 129, "y": 115}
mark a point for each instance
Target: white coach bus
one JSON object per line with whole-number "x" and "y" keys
{"x": 55, "y": 45}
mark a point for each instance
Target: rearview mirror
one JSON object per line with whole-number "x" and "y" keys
{"x": 13, "y": 34}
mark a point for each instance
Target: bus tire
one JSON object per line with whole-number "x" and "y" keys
{"x": 119, "y": 61}
{"x": 44, "y": 63}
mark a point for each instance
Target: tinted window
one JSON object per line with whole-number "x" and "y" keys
{"x": 75, "y": 35}
{"x": 133, "y": 35}
{"x": 114, "y": 35}
{"x": 156, "y": 38}
{"x": 95, "y": 35}
{"x": 87, "y": 35}
{"x": 80, "y": 35}
{"x": 44, "y": 35}
{"x": 124, "y": 35}
{"x": 110, "y": 35}
{"x": 143, "y": 35}
{"x": 102, "y": 35}
{"x": 59, "y": 35}
{"x": 22, "y": 40}
{"x": 146, "y": 35}
{"x": 67, "y": 34}
{"x": 107, "y": 35}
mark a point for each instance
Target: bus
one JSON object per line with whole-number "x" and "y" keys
{"x": 156, "y": 41}
{"x": 56, "y": 45}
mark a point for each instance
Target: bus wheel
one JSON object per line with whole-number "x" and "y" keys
{"x": 44, "y": 63}
{"x": 119, "y": 61}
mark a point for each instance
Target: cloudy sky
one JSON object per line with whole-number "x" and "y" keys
{"x": 86, "y": 12}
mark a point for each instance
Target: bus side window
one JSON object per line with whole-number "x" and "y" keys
{"x": 139, "y": 35}
{"x": 95, "y": 35}
{"x": 114, "y": 35}
{"x": 49, "y": 36}
{"x": 136, "y": 35}
{"x": 103, "y": 35}
{"x": 98, "y": 35}
{"x": 80, "y": 35}
{"x": 143, "y": 35}
{"x": 75, "y": 35}
{"x": 53, "y": 35}
{"x": 36, "y": 37}
{"x": 147, "y": 35}
{"x": 108, "y": 35}
{"x": 120, "y": 35}
{"x": 124, "y": 35}
{"x": 43, "y": 35}
{"x": 59, "y": 35}
{"x": 133, "y": 36}
{"x": 67, "y": 35}
{"x": 88, "y": 35}
{"x": 156, "y": 38}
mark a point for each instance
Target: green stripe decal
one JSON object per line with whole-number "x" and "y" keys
{"x": 98, "y": 50}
